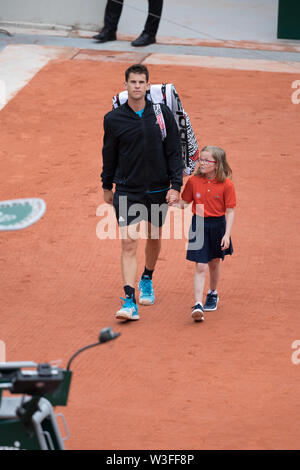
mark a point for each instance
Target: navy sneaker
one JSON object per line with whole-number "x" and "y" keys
{"x": 211, "y": 302}
{"x": 197, "y": 312}
{"x": 128, "y": 311}
{"x": 146, "y": 291}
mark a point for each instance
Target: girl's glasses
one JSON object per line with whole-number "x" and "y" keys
{"x": 206, "y": 162}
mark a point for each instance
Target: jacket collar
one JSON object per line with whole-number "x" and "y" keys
{"x": 148, "y": 105}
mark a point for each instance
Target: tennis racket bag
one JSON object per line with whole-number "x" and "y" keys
{"x": 166, "y": 93}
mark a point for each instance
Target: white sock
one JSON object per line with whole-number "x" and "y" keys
{"x": 212, "y": 291}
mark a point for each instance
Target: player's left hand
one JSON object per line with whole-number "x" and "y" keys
{"x": 172, "y": 196}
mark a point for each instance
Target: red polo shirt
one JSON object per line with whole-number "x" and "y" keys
{"x": 215, "y": 196}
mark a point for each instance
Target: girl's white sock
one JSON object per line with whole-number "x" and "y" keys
{"x": 212, "y": 291}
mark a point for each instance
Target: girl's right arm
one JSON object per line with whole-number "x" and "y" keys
{"x": 187, "y": 193}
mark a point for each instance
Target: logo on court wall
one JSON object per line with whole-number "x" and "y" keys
{"x": 296, "y": 94}
{"x": 2, "y": 93}
{"x": 296, "y": 354}
{"x": 2, "y": 351}
{"x": 16, "y": 214}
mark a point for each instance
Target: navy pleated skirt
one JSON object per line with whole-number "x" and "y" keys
{"x": 205, "y": 237}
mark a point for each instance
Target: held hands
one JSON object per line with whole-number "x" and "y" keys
{"x": 172, "y": 197}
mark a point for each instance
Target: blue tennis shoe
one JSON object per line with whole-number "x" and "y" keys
{"x": 146, "y": 291}
{"x": 128, "y": 311}
{"x": 211, "y": 302}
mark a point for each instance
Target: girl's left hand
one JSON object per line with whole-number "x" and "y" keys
{"x": 225, "y": 242}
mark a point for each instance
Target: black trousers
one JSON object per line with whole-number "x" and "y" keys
{"x": 113, "y": 12}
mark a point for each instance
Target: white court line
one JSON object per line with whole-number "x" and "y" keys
{"x": 224, "y": 63}
{"x": 19, "y": 64}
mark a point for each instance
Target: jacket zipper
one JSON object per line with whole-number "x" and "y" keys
{"x": 146, "y": 165}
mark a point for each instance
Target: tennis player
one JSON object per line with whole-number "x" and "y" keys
{"x": 147, "y": 172}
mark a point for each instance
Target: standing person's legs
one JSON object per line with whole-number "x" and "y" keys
{"x": 154, "y": 14}
{"x": 148, "y": 36}
{"x": 112, "y": 15}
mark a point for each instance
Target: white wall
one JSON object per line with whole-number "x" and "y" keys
{"x": 209, "y": 19}
{"x": 87, "y": 14}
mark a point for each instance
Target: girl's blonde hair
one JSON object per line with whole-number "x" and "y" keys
{"x": 223, "y": 169}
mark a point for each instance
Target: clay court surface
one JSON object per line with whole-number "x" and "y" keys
{"x": 166, "y": 383}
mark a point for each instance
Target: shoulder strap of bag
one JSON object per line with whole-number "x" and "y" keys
{"x": 160, "y": 119}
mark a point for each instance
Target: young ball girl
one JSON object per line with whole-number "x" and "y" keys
{"x": 210, "y": 231}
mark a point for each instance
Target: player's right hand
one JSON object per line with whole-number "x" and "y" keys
{"x": 108, "y": 196}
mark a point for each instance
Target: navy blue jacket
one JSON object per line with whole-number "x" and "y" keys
{"x": 134, "y": 155}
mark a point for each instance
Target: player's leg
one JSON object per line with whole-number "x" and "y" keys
{"x": 128, "y": 254}
{"x": 129, "y": 233}
{"x": 157, "y": 211}
{"x": 129, "y": 244}
{"x": 152, "y": 250}
{"x": 153, "y": 245}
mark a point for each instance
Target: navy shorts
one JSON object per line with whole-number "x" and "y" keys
{"x": 132, "y": 208}
{"x": 205, "y": 238}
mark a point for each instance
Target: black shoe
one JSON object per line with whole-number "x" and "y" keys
{"x": 211, "y": 302}
{"x": 143, "y": 40}
{"x": 105, "y": 35}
